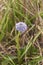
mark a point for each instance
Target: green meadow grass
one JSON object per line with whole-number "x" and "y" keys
{"x": 16, "y": 11}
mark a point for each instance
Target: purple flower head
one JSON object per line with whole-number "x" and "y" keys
{"x": 21, "y": 26}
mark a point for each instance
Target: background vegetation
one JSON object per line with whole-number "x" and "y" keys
{"x": 26, "y": 48}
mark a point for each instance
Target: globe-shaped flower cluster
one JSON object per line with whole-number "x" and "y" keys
{"x": 21, "y": 26}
